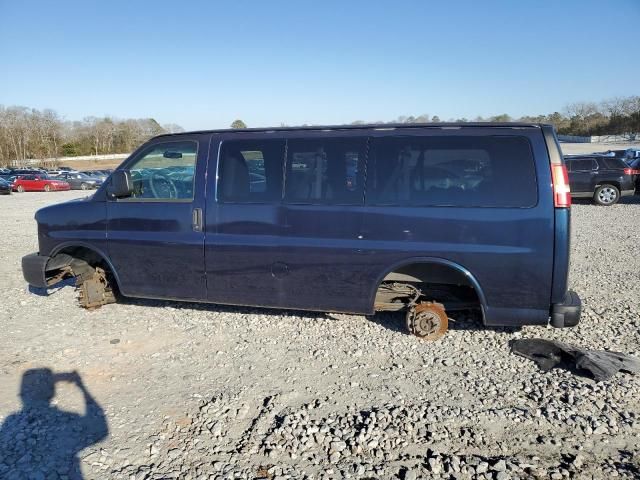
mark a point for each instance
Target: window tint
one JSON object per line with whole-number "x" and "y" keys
{"x": 494, "y": 171}
{"x": 325, "y": 171}
{"x": 251, "y": 171}
{"x": 165, "y": 172}
{"x": 583, "y": 164}
{"x": 613, "y": 163}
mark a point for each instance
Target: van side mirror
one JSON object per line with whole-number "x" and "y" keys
{"x": 120, "y": 184}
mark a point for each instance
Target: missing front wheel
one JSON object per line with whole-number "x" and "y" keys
{"x": 94, "y": 290}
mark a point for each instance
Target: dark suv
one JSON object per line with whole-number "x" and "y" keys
{"x": 423, "y": 219}
{"x": 604, "y": 179}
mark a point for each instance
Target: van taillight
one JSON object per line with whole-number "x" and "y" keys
{"x": 561, "y": 191}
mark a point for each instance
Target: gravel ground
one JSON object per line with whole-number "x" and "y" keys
{"x": 204, "y": 392}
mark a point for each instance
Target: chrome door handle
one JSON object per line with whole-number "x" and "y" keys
{"x": 196, "y": 219}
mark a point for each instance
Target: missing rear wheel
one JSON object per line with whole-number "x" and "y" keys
{"x": 428, "y": 321}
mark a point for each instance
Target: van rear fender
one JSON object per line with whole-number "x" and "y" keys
{"x": 430, "y": 270}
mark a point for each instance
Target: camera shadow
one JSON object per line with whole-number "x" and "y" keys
{"x": 42, "y": 441}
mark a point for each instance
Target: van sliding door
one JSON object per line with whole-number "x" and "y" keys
{"x": 243, "y": 251}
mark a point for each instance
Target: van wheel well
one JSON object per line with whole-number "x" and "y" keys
{"x": 413, "y": 283}
{"x": 83, "y": 253}
{"x": 93, "y": 259}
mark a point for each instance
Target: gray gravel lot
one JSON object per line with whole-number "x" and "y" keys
{"x": 202, "y": 391}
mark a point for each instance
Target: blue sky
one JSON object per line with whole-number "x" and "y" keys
{"x": 203, "y": 64}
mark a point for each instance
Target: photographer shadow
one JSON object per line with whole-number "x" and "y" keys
{"x": 42, "y": 441}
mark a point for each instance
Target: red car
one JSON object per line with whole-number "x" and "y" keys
{"x": 38, "y": 183}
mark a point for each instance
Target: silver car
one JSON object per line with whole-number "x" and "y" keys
{"x": 80, "y": 181}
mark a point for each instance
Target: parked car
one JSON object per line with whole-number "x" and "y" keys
{"x": 603, "y": 178}
{"x": 58, "y": 171}
{"x": 5, "y": 187}
{"x": 27, "y": 171}
{"x": 38, "y": 183}
{"x": 95, "y": 174}
{"x": 8, "y": 177}
{"x": 4, "y": 171}
{"x": 422, "y": 236}
{"x": 628, "y": 154}
{"x": 80, "y": 181}
{"x": 635, "y": 170}
{"x": 631, "y": 154}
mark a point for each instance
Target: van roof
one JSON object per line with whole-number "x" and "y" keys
{"x": 376, "y": 126}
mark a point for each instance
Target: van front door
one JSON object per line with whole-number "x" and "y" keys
{"x": 155, "y": 237}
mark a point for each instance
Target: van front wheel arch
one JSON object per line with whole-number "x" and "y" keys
{"x": 94, "y": 278}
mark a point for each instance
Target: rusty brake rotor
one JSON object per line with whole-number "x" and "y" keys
{"x": 428, "y": 321}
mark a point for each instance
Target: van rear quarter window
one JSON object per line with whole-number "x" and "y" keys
{"x": 460, "y": 171}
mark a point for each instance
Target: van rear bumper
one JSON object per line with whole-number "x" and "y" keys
{"x": 567, "y": 313}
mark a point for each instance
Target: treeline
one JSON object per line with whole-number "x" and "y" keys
{"x": 29, "y": 133}
{"x": 618, "y": 116}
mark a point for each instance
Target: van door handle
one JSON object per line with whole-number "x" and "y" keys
{"x": 196, "y": 219}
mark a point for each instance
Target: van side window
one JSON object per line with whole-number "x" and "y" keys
{"x": 325, "y": 171}
{"x": 250, "y": 171}
{"x": 165, "y": 172}
{"x": 464, "y": 171}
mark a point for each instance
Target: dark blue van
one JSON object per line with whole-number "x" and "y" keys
{"x": 420, "y": 218}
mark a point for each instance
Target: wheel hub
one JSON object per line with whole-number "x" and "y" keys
{"x": 428, "y": 320}
{"x": 607, "y": 195}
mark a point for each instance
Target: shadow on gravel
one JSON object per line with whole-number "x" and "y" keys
{"x": 45, "y": 292}
{"x": 41, "y": 441}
